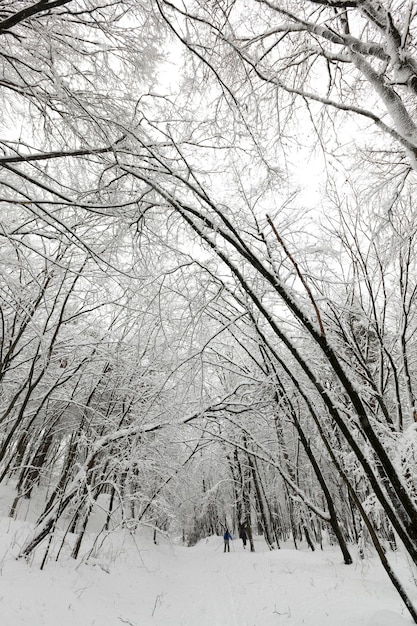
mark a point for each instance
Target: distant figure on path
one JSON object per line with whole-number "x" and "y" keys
{"x": 227, "y": 536}
{"x": 243, "y": 536}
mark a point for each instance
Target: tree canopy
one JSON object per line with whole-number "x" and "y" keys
{"x": 208, "y": 293}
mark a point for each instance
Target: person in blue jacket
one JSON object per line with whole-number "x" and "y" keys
{"x": 227, "y": 536}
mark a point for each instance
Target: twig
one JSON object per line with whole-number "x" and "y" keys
{"x": 158, "y": 601}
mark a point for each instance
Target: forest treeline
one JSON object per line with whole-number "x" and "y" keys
{"x": 208, "y": 270}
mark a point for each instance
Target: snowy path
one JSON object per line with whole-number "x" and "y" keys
{"x": 200, "y": 586}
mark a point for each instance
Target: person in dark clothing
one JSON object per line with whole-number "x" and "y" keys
{"x": 227, "y": 536}
{"x": 243, "y": 536}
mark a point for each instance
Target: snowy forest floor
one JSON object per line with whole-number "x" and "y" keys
{"x": 132, "y": 581}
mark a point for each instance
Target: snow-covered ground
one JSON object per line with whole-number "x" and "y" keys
{"x": 132, "y": 581}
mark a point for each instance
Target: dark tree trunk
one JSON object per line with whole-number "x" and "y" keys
{"x": 260, "y": 500}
